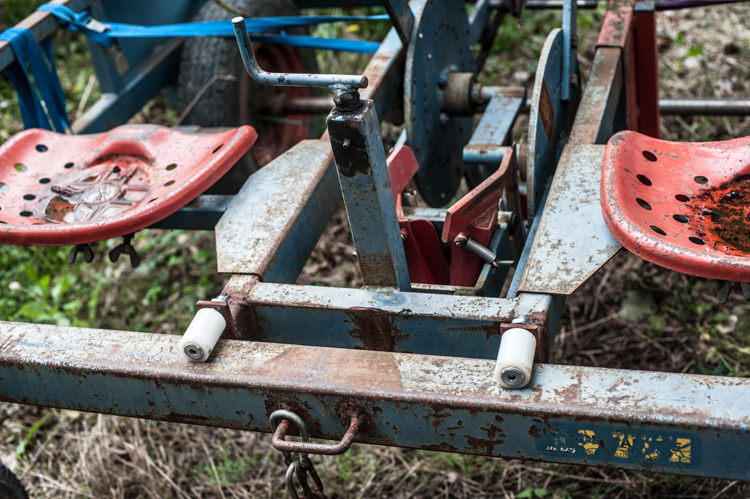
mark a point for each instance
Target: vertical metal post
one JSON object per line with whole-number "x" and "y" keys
{"x": 363, "y": 174}
{"x": 647, "y": 69}
{"x": 570, "y": 43}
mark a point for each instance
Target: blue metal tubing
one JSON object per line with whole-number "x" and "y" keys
{"x": 657, "y": 422}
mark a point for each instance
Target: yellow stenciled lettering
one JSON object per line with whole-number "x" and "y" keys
{"x": 624, "y": 445}
{"x": 681, "y": 453}
{"x": 589, "y": 443}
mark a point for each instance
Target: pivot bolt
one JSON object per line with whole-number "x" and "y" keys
{"x": 512, "y": 376}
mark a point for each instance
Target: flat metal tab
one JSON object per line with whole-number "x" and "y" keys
{"x": 273, "y": 223}
{"x": 657, "y": 422}
{"x": 573, "y": 241}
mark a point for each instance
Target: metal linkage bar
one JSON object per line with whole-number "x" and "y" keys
{"x": 659, "y": 422}
{"x": 705, "y": 107}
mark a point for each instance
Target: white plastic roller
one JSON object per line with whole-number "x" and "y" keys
{"x": 515, "y": 358}
{"x": 202, "y": 334}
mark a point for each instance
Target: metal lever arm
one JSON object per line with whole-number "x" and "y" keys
{"x": 286, "y": 79}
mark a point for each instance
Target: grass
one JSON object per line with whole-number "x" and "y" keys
{"x": 630, "y": 315}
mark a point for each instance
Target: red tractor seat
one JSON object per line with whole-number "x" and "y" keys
{"x": 683, "y": 206}
{"x": 59, "y": 190}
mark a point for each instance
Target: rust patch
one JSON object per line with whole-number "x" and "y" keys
{"x": 726, "y": 214}
{"x": 375, "y": 328}
{"x": 546, "y": 111}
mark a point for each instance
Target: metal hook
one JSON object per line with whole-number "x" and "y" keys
{"x": 283, "y": 414}
{"x": 346, "y": 83}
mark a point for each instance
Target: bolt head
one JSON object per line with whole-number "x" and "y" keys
{"x": 444, "y": 119}
{"x": 193, "y": 351}
{"x": 512, "y": 376}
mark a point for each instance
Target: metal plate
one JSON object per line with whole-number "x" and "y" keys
{"x": 551, "y": 119}
{"x": 440, "y": 40}
{"x": 572, "y": 241}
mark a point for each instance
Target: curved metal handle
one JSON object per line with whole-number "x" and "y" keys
{"x": 287, "y": 79}
{"x": 305, "y": 448}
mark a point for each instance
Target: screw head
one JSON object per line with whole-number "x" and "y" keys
{"x": 512, "y": 376}
{"x": 193, "y": 351}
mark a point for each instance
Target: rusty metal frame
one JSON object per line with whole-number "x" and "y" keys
{"x": 582, "y": 415}
{"x": 432, "y": 388}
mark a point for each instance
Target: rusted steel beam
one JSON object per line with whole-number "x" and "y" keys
{"x": 616, "y": 28}
{"x": 42, "y": 25}
{"x": 595, "y": 119}
{"x": 661, "y": 422}
{"x": 274, "y": 222}
{"x": 383, "y": 320}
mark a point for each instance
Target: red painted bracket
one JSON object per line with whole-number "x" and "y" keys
{"x": 683, "y": 206}
{"x": 482, "y": 198}
{"x": 58, "y": 190}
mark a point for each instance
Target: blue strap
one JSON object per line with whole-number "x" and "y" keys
{"x": 83, "y": 23}
{"x": 35, "y": 113}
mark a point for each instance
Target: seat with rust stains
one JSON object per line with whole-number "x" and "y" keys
{"x": 59, "y": 190}
{"x": 684, "y": 206}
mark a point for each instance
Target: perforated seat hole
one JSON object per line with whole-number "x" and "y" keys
{"x": 69, "y": 165}
{"x": 26, "y": 213}
{"x": 4, "y": 187}
{"x": 171, "y": 167}
{"x": 116, "y": 169}
{"x": 644, "y": 180}
{"x": 217, "y": 148}
{"x": 20, "y": 168}
{"x": 658, "y": 230}
{"x": 700, "y": 179}
{"x": 29, "y": 197}
{"x": 682, "y": 198}
{"x": 643, "y": 204}
{"x": 44, "y": 181}
{"x": 41, "y": 148}
{"x": 649, "y": 155}
{"x": 696, "y": 240}
{"x": 681, "y": 218}
{"x": 153, "y": 200}
{"x": 167, "y": 184}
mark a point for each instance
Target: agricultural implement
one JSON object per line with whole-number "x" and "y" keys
{"x": 443, "y": 348}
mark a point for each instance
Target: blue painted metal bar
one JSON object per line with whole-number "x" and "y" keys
{"x": 527, "y": 247}
{"x": 203, "y": 213}
{"x": 401, "y": 16}
{"x": 570, "y": 42}
{"x": 273, "y": 223}
{"x": 144, "y": 80}
{"x": 484, "y": 152}
{"x": 656, "y": 422}
{"x": 366, "y": 187}
{"x": 381, "y": 319}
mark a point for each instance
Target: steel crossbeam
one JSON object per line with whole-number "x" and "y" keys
{"x": 661, "y": 422}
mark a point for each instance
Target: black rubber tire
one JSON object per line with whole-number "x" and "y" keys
{"x": 220, "y": 106}
{"x": 10, "y": 485}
